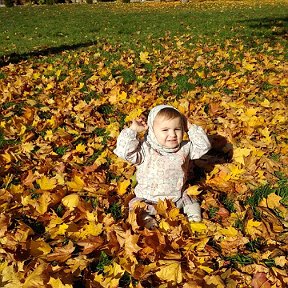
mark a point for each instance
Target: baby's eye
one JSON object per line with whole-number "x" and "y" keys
{"x": 178, "y": 129}
{"x": 164, "y": 130}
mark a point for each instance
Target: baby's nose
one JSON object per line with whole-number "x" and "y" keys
{"x": 172, "y": 133}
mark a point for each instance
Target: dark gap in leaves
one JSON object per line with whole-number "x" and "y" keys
{"x": 241, "y": 259}
{"x": 99, "y": 264}
{"x": 79, "y": 284}
{"x": 115, "y": 210}
{"x": 129, "y": 76}
{"x": 7, "y": 105}
{"x": 18, "y": 109}
{"x": 91, "y": 159}
{"x": 228, "y": 203}
{"x": 125, "y": 280}
{"x": 61, "y": 150}
{"x": 92, "y": 200}
{"x": 36, "y": 226}
{"x": 44, "y": 115}
{"x": 59, "y": 210}
{"x": 256, "y": 244}
{"x": 239, "y": 224}
{"x": 211, "y": 242}
{"x": 212, "y": 212}
{"x": 269, "y": 262}
{"x": 105, "y": 109}
{"x": 89, "y": 96}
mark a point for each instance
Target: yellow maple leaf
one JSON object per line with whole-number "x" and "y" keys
{"x": 201, "y": 74}
{"x": 206, "y": 268}
{"x": 43, "y": 203}
{"x": 99, "y": 278}
{"x": 240, "y": 153}
{"x": 273, "y": 201}
{"x": 198, "y": 227}
{"x": 122, "y": 96}
{"x": 281, "y": 261}
{"x": 36, "y": 75}
{"x": 35, "y": 279}
{"x": 58, "y": 73}
{"x": 8, "y": 274}
{"x": 102, "y": 158}
{"x": 60, "y": 179}
{"x": 27, "y": 147}
{"x": 248, "y": 66}
{"x": 230, "y": 231}
{"x": 164, "y": 225}
{"x": 71, "y": 201}
{"x": 81, "y": 148}
{"x": 266, "y": 133}
{"x": 253, "y": 227}
{"x": 173, "y": 213}
{"x": 39, "y": 247}
{"x": 284, "y": 82}
{"x": 7, "y": 157}
{"x": 114, "y": 270}
{"x": 22, "y": 130}
{"x": 57, "y": 283}
{"x": 90, "y": 229}
{"x": 50, "y": 86}
{"x": 144, "y": 57}
{"x": 235, "y": 171}
{"x": 49, "y": 135}
{"x": 170, "y": 271}
{"x": 46, "y": 183}
{"x": 193, "y": 190}
{"x": 122, "y": 186}
{"x": 214, "y": 280}
{"x": 62, "y": 229}
{"x": 77, "y": 184}
{"x": 113, "y": 129}
{"x": 134, "y": 114}
{"x": 265, "y": 103}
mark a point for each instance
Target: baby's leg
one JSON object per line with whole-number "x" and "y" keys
{"x": 150, "y": 209}
{"x": 146, "y": 216}
{"x": 190, "y": 207}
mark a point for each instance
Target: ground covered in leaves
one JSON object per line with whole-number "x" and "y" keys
{"x": 64, "y": 194}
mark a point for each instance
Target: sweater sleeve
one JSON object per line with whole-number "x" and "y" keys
{"x": 128, "y": 147}
{"x": 200, "y": 144}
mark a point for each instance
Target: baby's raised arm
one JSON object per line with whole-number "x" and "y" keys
{"x": 128, "y": 146}
{"x": 139, "y": 125}
{"x": 200, "y": 143}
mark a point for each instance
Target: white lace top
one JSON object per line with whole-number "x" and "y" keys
{"x": 161, "y": 175}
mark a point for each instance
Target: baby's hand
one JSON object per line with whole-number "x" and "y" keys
{"x": 139, "y": 125}
{"x": 187, "y": 124}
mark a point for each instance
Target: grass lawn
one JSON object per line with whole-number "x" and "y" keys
{"x": 72, "y": 76}
{"x": 40, "y": 29}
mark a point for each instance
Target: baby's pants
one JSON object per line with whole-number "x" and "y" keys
{"x": 191, "y": 207}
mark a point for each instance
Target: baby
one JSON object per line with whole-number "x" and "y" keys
{"x": 162, "y": 160}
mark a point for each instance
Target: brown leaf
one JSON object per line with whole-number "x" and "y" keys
{"x": 61, "y": 254}
{"x": 260, "y": 281}
{"x": 90, "y": 244}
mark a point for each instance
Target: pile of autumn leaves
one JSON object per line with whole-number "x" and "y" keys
{"x": 64, "y": 193}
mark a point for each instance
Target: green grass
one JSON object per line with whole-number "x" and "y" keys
{"x": 44, "y": 29}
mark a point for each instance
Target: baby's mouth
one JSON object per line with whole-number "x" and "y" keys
{"x": 172, "y": 141}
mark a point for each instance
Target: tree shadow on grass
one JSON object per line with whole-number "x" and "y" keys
{"x": 14, "y": 58}
{"x": 270, "y": 28}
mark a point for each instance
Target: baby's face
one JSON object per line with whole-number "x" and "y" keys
{"x": 168, "y": 132}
